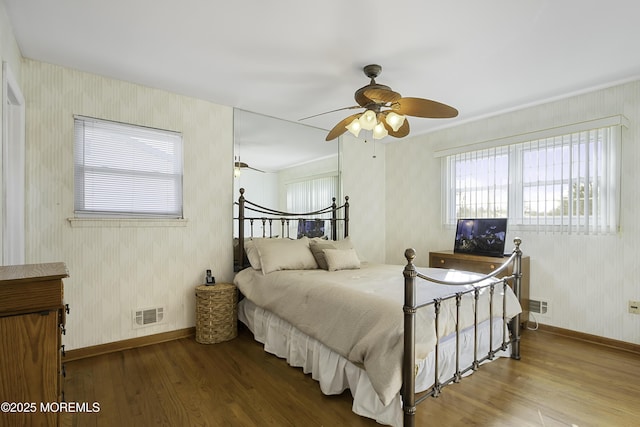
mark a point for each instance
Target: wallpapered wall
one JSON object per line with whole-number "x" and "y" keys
{"x": 121, "y": 267}
{"x": 587, "y": 280}
{"x": 363, "y": 181}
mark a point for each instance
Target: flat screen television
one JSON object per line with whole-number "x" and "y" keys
{"x": 481, "y": 236}
{"x": 311, "y": 228}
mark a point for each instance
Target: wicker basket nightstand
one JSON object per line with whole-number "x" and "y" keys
{"x": 216, "y": 313}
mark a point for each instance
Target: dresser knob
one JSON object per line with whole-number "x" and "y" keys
{"x": 441, "y": 261}
{"x": 492, "y": 267}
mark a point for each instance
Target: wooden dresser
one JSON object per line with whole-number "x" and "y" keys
{"x": 32, "y": 319}
{"x": 485, "y": 265}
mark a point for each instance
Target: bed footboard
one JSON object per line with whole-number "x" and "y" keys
{"x": 410, "y": 308}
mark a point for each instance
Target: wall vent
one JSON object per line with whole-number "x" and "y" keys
{"x": 539, "y": 307}
{"x": 147, "y": 316}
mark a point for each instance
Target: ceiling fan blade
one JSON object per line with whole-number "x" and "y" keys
{"x": 243, "y": 165}
{"x": 382, "y": 96}
{"x": 332, "y": 111}
{"x": 401, "y": 132}
{"x": 420, "y": 107}
{"x": 341, "y": 127}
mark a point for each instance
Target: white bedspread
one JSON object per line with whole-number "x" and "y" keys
{"x": 358, "y": 313}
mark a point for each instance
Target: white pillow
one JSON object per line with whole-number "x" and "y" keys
{"x": 285, "y": 254}
{"x": 341, "y": 259}
{"x": 318, "y": 247}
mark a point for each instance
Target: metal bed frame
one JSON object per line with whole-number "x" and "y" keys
{"x": 266, "y": 217}
{"x": 410, "y": 308}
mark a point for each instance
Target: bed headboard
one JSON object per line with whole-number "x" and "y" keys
{"x": 254, "y": 220}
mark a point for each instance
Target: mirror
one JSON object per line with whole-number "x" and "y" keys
{"x": 270, "y": 154}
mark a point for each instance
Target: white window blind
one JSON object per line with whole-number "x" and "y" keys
{"x": 567, "y": 183}
{"x": 479, "y": 184}
{"x": 125, "y": 170}
{"x": 312, "y": 195}
{"x": 571, "y": 181}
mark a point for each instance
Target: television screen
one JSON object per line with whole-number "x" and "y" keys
{"x": 310, "y": 228}
{"x": 481, "y": 236}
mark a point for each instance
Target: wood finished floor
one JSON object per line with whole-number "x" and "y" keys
{"x": 558, "y": 382}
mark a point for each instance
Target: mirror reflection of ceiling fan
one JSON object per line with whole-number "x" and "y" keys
{"x": 385, "y": 111}
{"x": 238, "y": 166}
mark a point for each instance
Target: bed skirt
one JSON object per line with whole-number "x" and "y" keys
{"x": 335, "y": 373}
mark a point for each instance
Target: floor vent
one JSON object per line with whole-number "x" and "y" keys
{"x": 539, "y": 307}
{"x": 148, "y": 316}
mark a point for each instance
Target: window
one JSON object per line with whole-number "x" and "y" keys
{"x": 568, "y": 182}
{"x": 126, "y": 171}
{"x": 312, "y": 195}
{"x": 479, "y": 184}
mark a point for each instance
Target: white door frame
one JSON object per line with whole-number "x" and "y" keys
{"x": 13, "y": 170}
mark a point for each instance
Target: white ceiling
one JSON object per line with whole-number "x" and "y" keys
{"x": 292, "y": 59}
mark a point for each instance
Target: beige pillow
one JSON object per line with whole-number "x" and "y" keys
{"x": 318, "y": 246}
{"x": 341, "y": 259}
{"x": 285, "y": 254}
{"x": 252, "y": 254}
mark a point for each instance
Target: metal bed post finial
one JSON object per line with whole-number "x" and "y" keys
{"x": 409, "y": 357}
{"x": 517, "y": 284}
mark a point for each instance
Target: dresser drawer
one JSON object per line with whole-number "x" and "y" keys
{"x": 462, "y": 264}
{"x": 30, "y": 288}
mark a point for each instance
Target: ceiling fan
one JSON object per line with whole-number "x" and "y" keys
{"x": 385, "y": 110}
{"x": 238, "y": 166}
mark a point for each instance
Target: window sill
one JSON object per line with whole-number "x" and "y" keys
{"x": 125, "y": 222}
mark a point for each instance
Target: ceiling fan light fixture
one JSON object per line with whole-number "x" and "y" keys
{"x": 236, "y": 170}
{"x": 395, "y": 120}
{"x": 354, "y": 127}
{"x": 379, "y": 131}
{"x": 368, "y": 120}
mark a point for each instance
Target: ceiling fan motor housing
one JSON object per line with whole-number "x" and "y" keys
{"x": 372, "y": 71}
{"x": 365, "y": 101}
